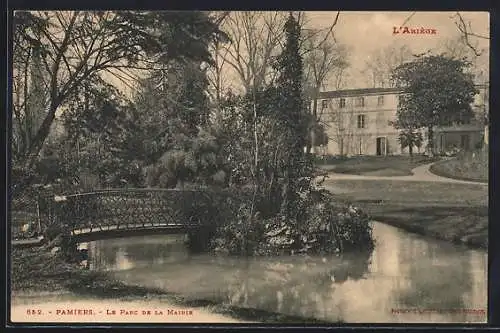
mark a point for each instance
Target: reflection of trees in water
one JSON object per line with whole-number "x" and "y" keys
{"x": 102, "y": 257}
{"x": 156, "y": 253}
{"x": 300, "y": 287}
{"x": 105, "y": 254}
{"x": 355, "y": 267}
{"x": 437, "y": 280}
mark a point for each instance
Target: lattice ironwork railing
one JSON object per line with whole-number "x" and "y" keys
{"x": 131, "y": 208}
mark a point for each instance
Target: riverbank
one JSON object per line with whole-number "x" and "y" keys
{"x": 453, "y": 212}
{"x": 38, "y": 274}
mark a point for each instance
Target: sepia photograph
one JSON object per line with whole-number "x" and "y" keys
{"x": 286, "y": 167}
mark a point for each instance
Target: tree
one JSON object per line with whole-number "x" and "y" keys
{"x": 257, "y": 38}
{"x": 161, "y": 134}
{"x": 339, "y": 122}
{"x": 217, "y": 79}
{"x": 410, "y": 138}
{"x": 216, "y": 74}
{"x": 437, "y": 92}
{"x": 383, "y": 61}
{"x": 324, "y": 59}
{"x": 456, "y": 48}
{"x": 30, "y": 96}
{"x": 28, "y": 82}
{"x": 468, "y": 36}
{"x": 77, "y": 47}
{"x": 254, "y": 44}
{"x": 94, "y": 117}
{"x": 291, "y": 113}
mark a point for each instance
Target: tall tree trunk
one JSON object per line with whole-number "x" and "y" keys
{"x": 286, "y": 188}
{"x": 37, "y": 142}
{"x": 27, "y": 105}
{"x": 313, "y": 136}
{"x": 285, "y": 211}
{"x": 31, "y": 153}
{"x": 430, "y": 139}
{"x": 311, "y": 143}
{"x": 315, "y": 118}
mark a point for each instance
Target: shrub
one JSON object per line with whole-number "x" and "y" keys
{"x": 335, "y": 228}
{"x": 467, "y": 165}
{"x": 240, "y": 235}
{"x": 324, "y": 228}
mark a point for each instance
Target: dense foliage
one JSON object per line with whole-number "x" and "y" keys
{"x": 164, "y": 137}
{"x": 438, "y": 92}
{"x": 116, "y": 42}
{"x": 287, "y": 214}
{"x": 326, "y": 228}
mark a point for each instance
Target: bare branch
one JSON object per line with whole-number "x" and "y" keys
{"x": 255, "y": 40}
{"x": 408, "y": 19}
{"x": 330, "y": 30}
{"x": 123, "y": 76}
{"x": 466, "y": 32}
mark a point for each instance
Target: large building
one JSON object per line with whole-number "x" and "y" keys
{"x": 358, "y": 122}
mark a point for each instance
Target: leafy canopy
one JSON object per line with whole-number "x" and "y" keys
{"x": 437, "y": 92}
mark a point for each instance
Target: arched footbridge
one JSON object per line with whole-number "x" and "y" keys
{"x": 126, "y": 212}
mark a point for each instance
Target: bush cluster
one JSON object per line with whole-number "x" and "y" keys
{"x": 324, "y": 228}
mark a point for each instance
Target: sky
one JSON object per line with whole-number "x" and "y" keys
{"x": 365, "y": 32}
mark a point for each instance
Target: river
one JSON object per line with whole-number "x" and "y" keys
{"x": 408, "y": 278}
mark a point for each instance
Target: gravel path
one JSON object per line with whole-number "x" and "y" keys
{"x": 420, "y": 174}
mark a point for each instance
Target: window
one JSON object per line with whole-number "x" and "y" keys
{"x": 342, "y": 103}
{"x": 361, "y": 121}
{"x": 360, "y": 101}
{"x": 380, "y": 101}
{"x": 324, "y": 104}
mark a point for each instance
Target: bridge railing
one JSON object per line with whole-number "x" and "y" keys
{"x": 131, "y": 208}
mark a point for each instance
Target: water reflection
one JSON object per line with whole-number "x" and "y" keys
{"x": 404, "y": 271}
{"x": 144, "y": 251}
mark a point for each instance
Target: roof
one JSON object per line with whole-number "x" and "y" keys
{"x": 368, "y": 91}
{"x": 358, "y": 92}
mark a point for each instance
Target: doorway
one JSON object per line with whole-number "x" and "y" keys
{"x": 442, "y": 143}
{"x": 381, "y": 146}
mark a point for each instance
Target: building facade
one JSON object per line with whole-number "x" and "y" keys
{"x": 358, "y": 122}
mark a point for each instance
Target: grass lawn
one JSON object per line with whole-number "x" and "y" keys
{"x": 448, "y": 211}
{"x": 386, "y": 166}
{"x": 466, "y": 166}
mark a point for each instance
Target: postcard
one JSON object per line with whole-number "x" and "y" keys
{"x": 249, "y": 167}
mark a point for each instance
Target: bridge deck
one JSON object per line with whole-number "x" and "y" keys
{"x": 129, "y": 227}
